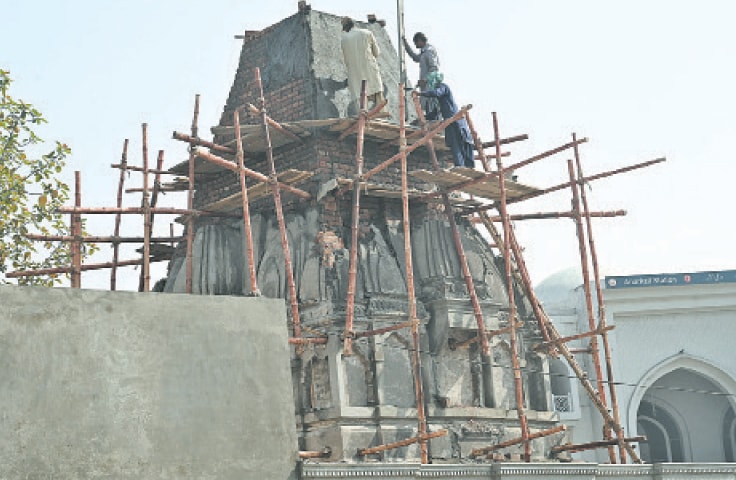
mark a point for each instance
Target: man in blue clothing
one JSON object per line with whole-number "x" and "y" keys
{"x": 457, "y": 134}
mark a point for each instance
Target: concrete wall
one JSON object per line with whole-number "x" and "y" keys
{"x": 125, "y": 385}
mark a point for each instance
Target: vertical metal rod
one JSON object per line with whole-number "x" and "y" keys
{"x": 595, "y": 353}
{"x": 146, "y": 216}
{"x": 247, "y": 231}
{"x": 400, "y": 43}
{"x": 463, "y": 260}
{"x": 410, "y": 293}
{"x": 354, "y": 228}
{"x": 601, "y": 304}
{"x": 171, "y": 233}
{"x": 512, "y": 300}
{"x": 279, "y": 211}
{"x": 118, "y": 216}
{"x": 76, "y": 230}
{"x": 190, "y": 199}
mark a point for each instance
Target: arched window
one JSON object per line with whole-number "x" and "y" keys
{"x": 729, "y": 436}
{"x": 664, "y": 439}
{"x": 561, "y": 387}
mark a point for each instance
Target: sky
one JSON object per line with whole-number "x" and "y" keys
{"x": 641, "y": 80}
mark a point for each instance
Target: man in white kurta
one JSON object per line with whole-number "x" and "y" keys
{"x": 360, "y": 53}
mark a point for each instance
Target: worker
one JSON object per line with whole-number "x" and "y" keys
{"x": 457, "y": 134}
{"x": 428, "y": 61}
{"x": 360, "y": 53}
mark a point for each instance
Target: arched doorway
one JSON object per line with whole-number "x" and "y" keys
{"x": 682, "y": 415}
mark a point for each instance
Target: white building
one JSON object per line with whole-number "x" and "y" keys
{"x": 674, "y": 362}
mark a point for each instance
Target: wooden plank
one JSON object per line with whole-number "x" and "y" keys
{"x": 387, "y": 191}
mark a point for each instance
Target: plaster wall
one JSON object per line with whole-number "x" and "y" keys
{"x": 125, "y": 385}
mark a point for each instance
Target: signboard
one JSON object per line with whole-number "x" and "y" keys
{"x": 671, "y": 279}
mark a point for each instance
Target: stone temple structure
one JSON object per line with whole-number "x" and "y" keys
{"x": 346, "y": 402}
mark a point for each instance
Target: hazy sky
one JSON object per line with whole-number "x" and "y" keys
{"x": 641, "y": 79}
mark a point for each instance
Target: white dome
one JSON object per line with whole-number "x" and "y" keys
{"x": 558, "y": 289}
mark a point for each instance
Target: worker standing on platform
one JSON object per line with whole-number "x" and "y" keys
{"x": 428, "y": 61}
{"x": 360, "y": 53}
{"x": 457, "y": 134}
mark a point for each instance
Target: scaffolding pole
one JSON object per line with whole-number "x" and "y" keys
{"x": 602, "y": 328}
{"x": 469, "y": 284}
{"x": 279, "y": 210}
{"x": 518, "y": 387}
{"x": 247, "y": 231}
{"x": 76, "y": 231}
{"x": 118, "y": 217}
{"x": 354, "y": 229}
{"x": 190, "y": 200}
{"x": 411, "y": 295}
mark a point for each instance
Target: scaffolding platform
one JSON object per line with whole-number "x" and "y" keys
{"x": 487, "y": 189}
{"x": 392, "y": 191}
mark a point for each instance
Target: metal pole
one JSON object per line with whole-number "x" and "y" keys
{"x": 400, "y": 43}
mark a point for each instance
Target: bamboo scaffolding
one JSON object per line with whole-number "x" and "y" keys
{"x": 556, "y": 215}
{"x": 411, "y": 294}
{"x": 368, "y": 116}
{"x": 601, "y": 306}
{"x": 83, "y": 268}
{"x": 476, "y": 452}
{"x": 279, "y": 210}
{"x": 506, "y": 141}
{"x": 512, "y": 300}
{"x": 190, "y": 200}
{"x": 489, "y": 175}
{"x": 145, "y": 285}
{"x": 116, "y": 230}
{"x": 442, "y": 125}
{"x": 99, "y": 239}
{"x": 595, "y": 353}
{"x": 469, "y": 284}
{"x": 247, "y": 230}
{"x": 489, "y": 334}
{"x": 140, "y": 211}
{"x": 572, "y": 338}
{"x": 132, "y": 168}
{"x": 212, "y": 158}
{"x": 276, "y": 125}
{"x": 479, "y": 144}
{"x": 521, "y": 274}
{"x": 591, "y": 178}
{"x": 381, "y": 331}
{"x": 308, "y": 340}
{"x": 324, "y": 453}
{"x": 347, "y": 348}
{"x": 194, "y": 140}
{"x": 76, "y": 231}
{"x": 403, "y": 443}
{"x": 572, "y": 448}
